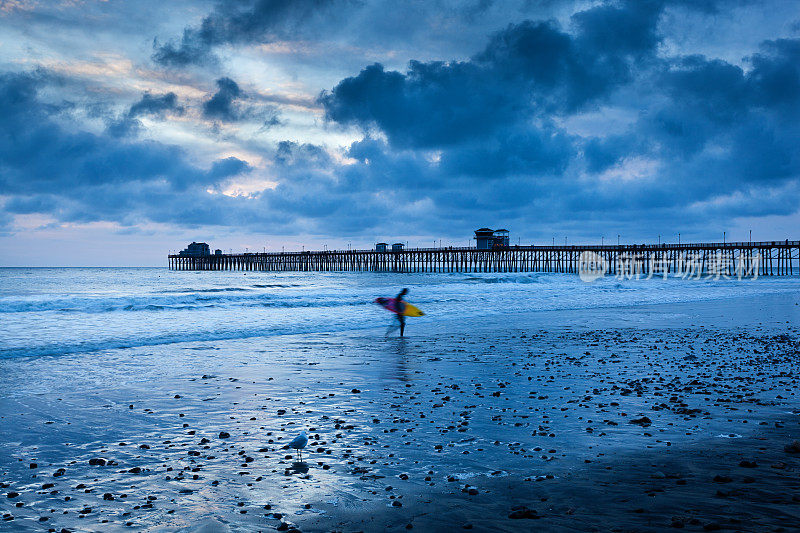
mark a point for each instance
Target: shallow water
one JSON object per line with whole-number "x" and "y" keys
{"x": 389, "y": 419}
{"x": 55, "y": 311}
{"x": 518, "y": 377}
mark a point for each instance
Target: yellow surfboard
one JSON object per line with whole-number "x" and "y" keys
{"x": 412, "y": 310}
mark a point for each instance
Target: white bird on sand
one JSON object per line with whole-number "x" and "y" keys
{"x": 299, "y": 442}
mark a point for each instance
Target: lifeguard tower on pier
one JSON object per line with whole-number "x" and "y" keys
{"x": 489, "y": 239}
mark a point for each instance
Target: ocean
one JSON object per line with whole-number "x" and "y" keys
{"x": 57, "y": 311}
{"x": 140, "y": 399}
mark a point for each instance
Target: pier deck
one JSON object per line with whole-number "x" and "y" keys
{"x": 772, "y": 258}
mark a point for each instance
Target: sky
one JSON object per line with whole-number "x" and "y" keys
{"x": 128, "y": 129}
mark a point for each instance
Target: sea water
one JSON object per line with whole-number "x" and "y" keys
{"x": 499, "y": 379}
{"x": 55, "y": 311}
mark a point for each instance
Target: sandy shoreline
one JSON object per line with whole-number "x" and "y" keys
{"x": 452, "y": 405}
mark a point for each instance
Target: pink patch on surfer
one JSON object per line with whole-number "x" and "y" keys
{"x": 390, "y": 304}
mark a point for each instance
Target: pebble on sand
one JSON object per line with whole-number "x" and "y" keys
{"x": 794, "y": 447}
{"x": 521, "y": 512}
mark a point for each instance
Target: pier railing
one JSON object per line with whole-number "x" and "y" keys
{"x": 771, "y": 258}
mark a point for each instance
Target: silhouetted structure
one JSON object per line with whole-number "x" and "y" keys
{"x": 501, "y": 238}
{"x": 196, "y": 249}
{"x": 484, "y": 238}
{"x": 780, "y": 258}
{"x": 381, "y": 247}
{"x": 488, "y": 239}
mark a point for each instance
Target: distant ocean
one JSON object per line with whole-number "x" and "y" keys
{"x": 57, "y": 311}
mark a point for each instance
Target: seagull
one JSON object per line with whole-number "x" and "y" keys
{"x": 299, "y": 442}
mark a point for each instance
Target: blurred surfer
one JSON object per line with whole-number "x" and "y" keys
{"x": 401, "y": 308}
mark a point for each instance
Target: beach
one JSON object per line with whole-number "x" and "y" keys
{"x": 316, "y": 266}
{"x": 633, "y": 417}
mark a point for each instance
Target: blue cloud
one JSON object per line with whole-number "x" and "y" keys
{"x": 489, "y": 137}
{"x": 78, "y": 176}
{"x": 776, "y": 73}
{"x": 228, "y": 167}
{"x": 238, "y": 21}
{"x": 627, "y": 29}
{"x": 498, "y": 116}
{"x": 97, "y": 175}
{"x": 222, "y": 105}
{"x": 528, "y": 70}
{"x": 230, "y": 104}
{"x": 158, "y": 104}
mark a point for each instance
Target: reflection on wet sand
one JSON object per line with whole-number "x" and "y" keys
{"x": 476, "y": 428}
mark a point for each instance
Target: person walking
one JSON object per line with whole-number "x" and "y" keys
{"x": 401, "y": 310}
{"x": 400, "y": 305}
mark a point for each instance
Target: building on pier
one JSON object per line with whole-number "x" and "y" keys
{"x": 484, "y": 238}
{"x": 398, "y": 247}
{"x": 197, "y": 249}
{"x": 489, "y": 239}
{"x": 381, "y": 247}
{"x": 501, "y": 238}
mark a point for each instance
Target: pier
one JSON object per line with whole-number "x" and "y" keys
{"x": 740, "y": 259}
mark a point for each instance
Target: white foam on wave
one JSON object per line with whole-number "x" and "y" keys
{"x": 58, "y": 311}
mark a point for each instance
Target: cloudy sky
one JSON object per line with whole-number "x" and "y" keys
{"x": 129, "y": 128}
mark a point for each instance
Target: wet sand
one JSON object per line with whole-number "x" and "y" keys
{"x": 629, "y": 419}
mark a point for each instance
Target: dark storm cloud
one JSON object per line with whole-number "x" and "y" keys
{"x": 156, "y": 104}
{"x": 522, "y": 151}
{"x": 238, "y": 21}
{"x": 446, "y": 144}
{"x": 719, "y": 140}
{"x": 228, "y": 167}
{"x": 383, "y": 23}
{"x": 706, "y": 128}
{"x": 723, "y": 137}
{"x": 222, "y": 105}
{"x": 776, "y": 73}
{"x": 231, "y": 104}
{"x": 123, "y": 127}
{"x": 749, "y": 118}
{"x": 128, "y": 125}
{"x": 614, "y": 30}
{"x": 528, "y": 70}
{"x": 78, "y": 175}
